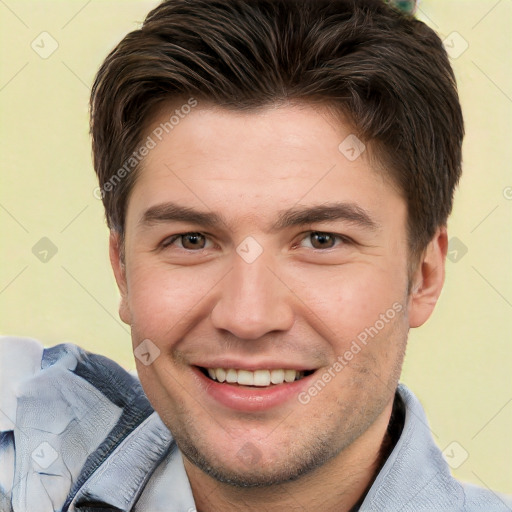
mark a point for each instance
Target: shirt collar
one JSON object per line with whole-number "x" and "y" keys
{"x": 415, "y": 472}
{"x": 119, "y": 481}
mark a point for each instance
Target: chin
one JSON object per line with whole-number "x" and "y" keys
{"x": 251, "y": 466}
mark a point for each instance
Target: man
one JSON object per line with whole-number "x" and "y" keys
{"x": 277, "y": 177}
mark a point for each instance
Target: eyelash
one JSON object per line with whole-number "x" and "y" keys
{"x": 345, "y": 240}
{"x": 170, "y": 240}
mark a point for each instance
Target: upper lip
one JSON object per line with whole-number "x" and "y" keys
{"x": 253, "y": 366}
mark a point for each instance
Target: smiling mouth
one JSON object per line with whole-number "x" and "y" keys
{"x": 257, "y": 378}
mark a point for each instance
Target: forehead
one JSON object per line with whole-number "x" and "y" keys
{"x": 255, "y": 162}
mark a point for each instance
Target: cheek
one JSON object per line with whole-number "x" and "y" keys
{"x": 353, "y": 297}
{"x": 161, "y": 296}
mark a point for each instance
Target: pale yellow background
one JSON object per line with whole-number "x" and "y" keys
{"x": 459, "y": 364}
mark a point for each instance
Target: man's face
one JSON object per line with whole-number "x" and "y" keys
{"x": 256, "y": 285}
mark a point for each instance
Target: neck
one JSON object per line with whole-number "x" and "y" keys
{"x": 337, "y": 486}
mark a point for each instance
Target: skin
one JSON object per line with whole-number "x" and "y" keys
{"x": 302, "y": 301}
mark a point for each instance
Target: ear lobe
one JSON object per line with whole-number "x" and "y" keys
{"x": 118, "y": 266}
{"x": 428, "y": 279}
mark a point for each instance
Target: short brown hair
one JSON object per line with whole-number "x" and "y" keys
{"x": 383, "y": 69}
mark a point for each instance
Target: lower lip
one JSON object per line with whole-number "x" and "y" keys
{"x": 251, "y": 398}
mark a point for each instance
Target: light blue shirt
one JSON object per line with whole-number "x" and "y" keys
{"x": 78, "y": 434}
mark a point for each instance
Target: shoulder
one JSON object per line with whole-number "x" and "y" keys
{"x": 20, "y": 358}
{"x": 478, "y": 499}
{"x": 64, "y": 410}
{"x": 416, "y": 475}
{"x": 469, "y": 497}
{"x": 28, "y": 369}
{"x": 451, "y": 493}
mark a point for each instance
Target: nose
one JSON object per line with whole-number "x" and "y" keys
{"x": 253, "y": 301}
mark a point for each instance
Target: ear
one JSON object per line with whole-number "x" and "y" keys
{"x": 119, "y": 268}
{"x": 428, "y": 279}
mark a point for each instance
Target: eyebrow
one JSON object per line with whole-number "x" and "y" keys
{"x": 349, "y": 212}
{"x": 169, "y": 212}
{"x": 296, "y": 216}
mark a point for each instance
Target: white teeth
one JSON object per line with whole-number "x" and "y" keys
{"x": 259, "y": 378}
{"x": 245, "y": 378}
{"x": 220, "y": 374}
{"x": 289, "y": 375}
{"x": 231, "y": 376}
{"x": 277, "y": 376}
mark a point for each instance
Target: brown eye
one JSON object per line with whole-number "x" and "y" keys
{"x": 188, "y": 241}
{"x": 322, "y": 240}
{"x": 193, "y": 241}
